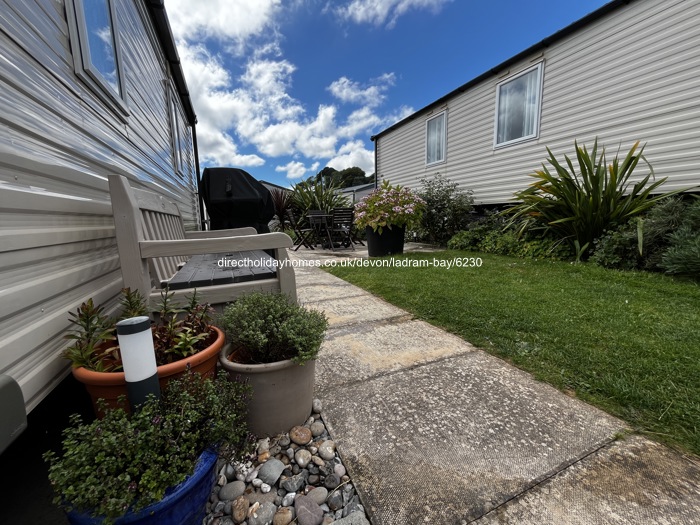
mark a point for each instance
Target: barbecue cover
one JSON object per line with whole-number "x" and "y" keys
{"x": 235, "y": 199}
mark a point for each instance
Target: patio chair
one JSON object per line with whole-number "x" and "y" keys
{"x": 304, "y": 236}
{"x": 322, "y": 225}
{"x": 342, "y": 225}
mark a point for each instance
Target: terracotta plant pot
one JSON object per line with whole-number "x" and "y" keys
{"x": 110, "y": 385}
{"x": 184, "y": 504}
{"x": 282, "y": 394}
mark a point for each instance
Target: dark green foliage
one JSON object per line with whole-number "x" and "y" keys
{"x": 491, "y": 234}
{"x": 579, "y": 207}
{"x": 447, "y": 209}
{"x": 683, "y": 254}
{"x": 669, "y": 225}
{"x": 126, "y": 462}
{"x": 270, "y": 327}
{"x": 308, "y": 195}
{"x": 618, "y": 248}
{"x": 353, "y": 176}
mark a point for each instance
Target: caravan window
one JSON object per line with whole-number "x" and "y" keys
{"x": 435, "y": 139}
{"x": 95, "y": 44}
{"x": 518, "y": 107}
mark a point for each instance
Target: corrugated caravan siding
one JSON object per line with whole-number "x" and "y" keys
{"x": 632, "y": 75}
{"x": 58, "y": 142}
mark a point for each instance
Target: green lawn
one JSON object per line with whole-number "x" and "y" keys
{"x": 628, "y": 342}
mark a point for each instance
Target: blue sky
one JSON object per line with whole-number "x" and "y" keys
{"x": 283, "y": 89}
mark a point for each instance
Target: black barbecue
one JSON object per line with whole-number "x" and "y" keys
{"x": 235, "y": 199}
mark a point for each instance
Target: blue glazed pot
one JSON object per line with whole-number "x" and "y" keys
{"x": 183, "y": 505}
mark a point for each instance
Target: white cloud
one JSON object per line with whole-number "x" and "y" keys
{"x": 233, "y": 21}
{"x": 255, "y": 111}
{"x": 371, "y": 95}
{"x": 378, "y": 12}
{"x": 296, "y": 170}
{"x": 352, "y": 154}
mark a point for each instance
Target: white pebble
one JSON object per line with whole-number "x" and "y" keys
{"x": 288, "y": 499}
{"x": 265, "y": 488}
{"x": 257, "y": 483}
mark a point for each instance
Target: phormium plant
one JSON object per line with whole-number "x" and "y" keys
{"x": 579, "y": 205}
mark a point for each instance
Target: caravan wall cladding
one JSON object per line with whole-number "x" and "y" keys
{"x": 66, "y": 124}
{"x": 631, "y": 73}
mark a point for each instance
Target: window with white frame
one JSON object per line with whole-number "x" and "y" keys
{"x": 178, "y": 129}
{"x": 96, "y": 50}
{"x": 435, "y": 139}
{"x": 518, "y": 101}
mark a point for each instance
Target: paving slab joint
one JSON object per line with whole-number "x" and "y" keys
{"x": 554, "y": 472}
{"x": 389, "y": 373}
{"x": 395, "y": 319}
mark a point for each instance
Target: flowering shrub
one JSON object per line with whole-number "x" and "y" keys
{"x": 388, "y": 206}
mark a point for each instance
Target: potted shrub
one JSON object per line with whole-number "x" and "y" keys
{"x": 384, "y": 214}
{"x": 155, "y": 466}
{"x": 182, "y": 339}
{"x": 273, "y": 343}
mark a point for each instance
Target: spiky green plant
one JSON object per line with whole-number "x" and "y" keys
{"x": 578, "y": 206}
{"x": 309, "y": 195}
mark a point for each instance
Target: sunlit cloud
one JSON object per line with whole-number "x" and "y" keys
{"x": 381, "y": 12}
{"x": 248, "y": 117}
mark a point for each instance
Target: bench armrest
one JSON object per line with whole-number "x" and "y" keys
{"x": 263, "y": 241}
{"x": 214, "y": 234}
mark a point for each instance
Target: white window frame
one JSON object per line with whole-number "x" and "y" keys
{"x": 177, "y": 123}
{"x": 444, "y": 135}
{"x": 84, "y": 67}
{"x": 539, "y": 67}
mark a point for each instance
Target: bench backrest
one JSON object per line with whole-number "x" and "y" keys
{"x": 160, "y": 220}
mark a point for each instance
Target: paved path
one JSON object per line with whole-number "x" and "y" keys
{"x": 436, "y": 431}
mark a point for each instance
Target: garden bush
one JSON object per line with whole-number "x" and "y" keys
{"x": 492, "y": 234}
{"x": 642, "y": 243}
{"x": 683, "y": 254}
{"x": 447, "y": 209}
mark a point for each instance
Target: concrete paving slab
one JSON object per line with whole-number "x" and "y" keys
{"x": 451, "y": 440}
{"x": 357, "y": 352}
{"x": 630, "y": 482}
{"x": 356, "y": 308}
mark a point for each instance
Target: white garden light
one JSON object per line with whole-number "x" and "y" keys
{"x": 138, "y": 358}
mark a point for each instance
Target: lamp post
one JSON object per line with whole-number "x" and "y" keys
{"x": 139, "y": 359}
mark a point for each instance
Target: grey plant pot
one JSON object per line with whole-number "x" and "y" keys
{"x": 282, "y": 393}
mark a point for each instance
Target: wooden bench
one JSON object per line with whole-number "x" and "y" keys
{"x": 154, "y": 246}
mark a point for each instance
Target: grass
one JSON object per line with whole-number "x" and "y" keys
{"x": 627, "y": 342}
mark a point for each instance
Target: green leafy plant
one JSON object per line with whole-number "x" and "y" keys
{"x": 310, "y": 195}
{"x": 269, "y": 327}
{"x": 578, "y": 207}
{"x": 94, "y": 330}
{"x": 491, "y": 234}
{"x": 177, "y": 333}
{"x": 641, "y": 243}
{"x": 447, "y": 209}
{"x": 683, "y": 254}
{"x": 389, "y": 206}
{"x": 125, "y": 462}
